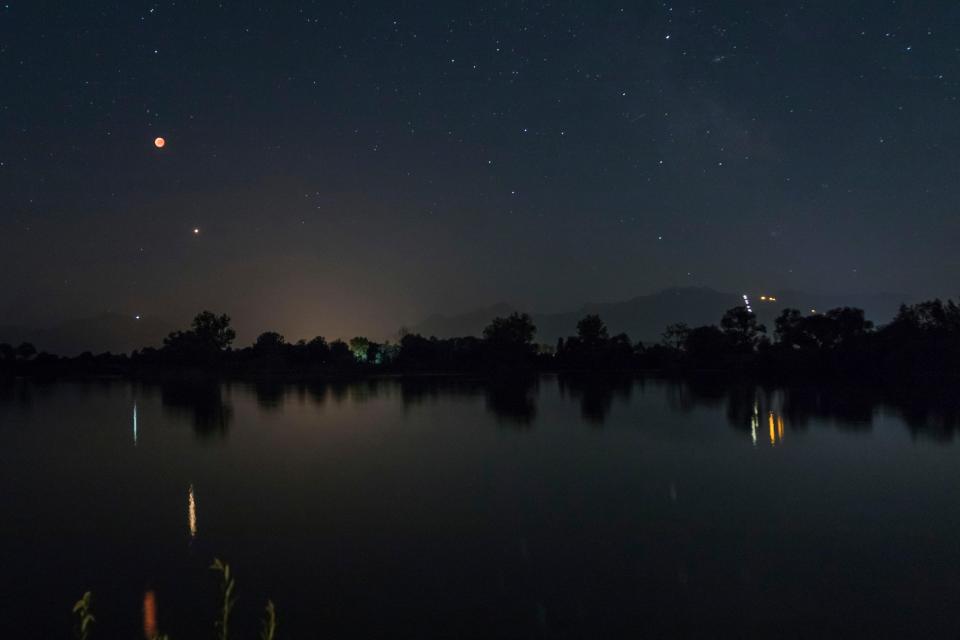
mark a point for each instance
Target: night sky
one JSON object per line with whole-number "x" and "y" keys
{"x": 352, "y": 167}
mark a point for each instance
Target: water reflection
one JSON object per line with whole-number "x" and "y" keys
{"x": 776, "y": 429}
{"x": 597, "y": 393}
{"x": 149, "y": 615}
{"x": 763, "y": 411}
{"x": 929, "y": 411}
{"x": 201, "y": 400}
{"x": 270, "y": 392}
{"x": 513, "y": 402}
{"x": 671, "y": 494}
{"x": 192, "y": 512}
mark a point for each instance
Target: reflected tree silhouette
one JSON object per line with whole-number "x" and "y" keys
{"x": 202, "y": 401}
{"x": 696, "y": 391}
{"x": 418, "y": 390}
{"x": 269, "y": 393}
{"x": 513, "y": 401}
{"x": 849, "y": 408}
{"x": 596, "y": 393}
{"x": 930, "y": 411}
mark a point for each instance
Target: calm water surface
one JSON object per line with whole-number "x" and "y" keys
{"x": 556, "y": 508}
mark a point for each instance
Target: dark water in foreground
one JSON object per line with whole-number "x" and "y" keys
{"x": 444, "y": 509}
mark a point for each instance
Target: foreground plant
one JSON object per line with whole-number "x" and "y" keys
{"x": 269, "y": 623}
{"x": 227, "y": 586}
{"x": 83, "y": 610}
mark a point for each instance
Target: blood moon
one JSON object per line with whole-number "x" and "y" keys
{"x": 159, "y": 142}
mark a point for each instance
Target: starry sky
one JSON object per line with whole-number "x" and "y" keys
{"x": 352, "y": 167}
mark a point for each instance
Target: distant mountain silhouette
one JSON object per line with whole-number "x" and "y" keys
{"x": 468, "y": 324}
{"x": 112, "y": 332}
{"x": 645, "y": 317}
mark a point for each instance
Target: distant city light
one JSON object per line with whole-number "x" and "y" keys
{"x": 196, "y": 231}
{"x": 136, "y": 317}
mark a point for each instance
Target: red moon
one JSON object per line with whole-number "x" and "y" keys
{"x": 159, "y": 142}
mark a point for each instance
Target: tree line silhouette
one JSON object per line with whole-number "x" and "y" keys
{"x": 922, "y": 339}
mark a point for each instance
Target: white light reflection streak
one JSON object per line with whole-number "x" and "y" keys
{"x": 134, "y": 424}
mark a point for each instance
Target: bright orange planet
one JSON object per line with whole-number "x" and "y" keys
{"x": 159, "y": 142}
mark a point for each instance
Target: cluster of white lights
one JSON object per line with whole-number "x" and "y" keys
{"x": 746, "y": 303}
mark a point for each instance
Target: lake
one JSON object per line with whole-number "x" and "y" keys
{"x": 556, "y": 507}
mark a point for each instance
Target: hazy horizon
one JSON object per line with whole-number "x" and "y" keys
{"x": 308, "y": 327}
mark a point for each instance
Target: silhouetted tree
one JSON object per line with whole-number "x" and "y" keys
{"x": 849, "y": 326}
{"x": 509, "y": 341}
{"x": 676, "y": 334}
{"x": 26, "y": 351}
{"x": 374, "y": 353}
{"x": 922, "y": 338}
{"x": 932, "y": 316}
{"x": 359, "y": 346}
{"x": 593, "y": 348}
{"x": 742, "y": 329}
{"x": 706, "y": 347}
{"x": 317, "y": 351}
{"x": 340, "y": 355}
{"x": 789, "y": 329}
{"x": 213, "y": 329}
{"x": 204, "y": 343}
{"x": 591, "y": 330}
{"x": 269, "y": 342}
{"x": 517, "y": 329}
